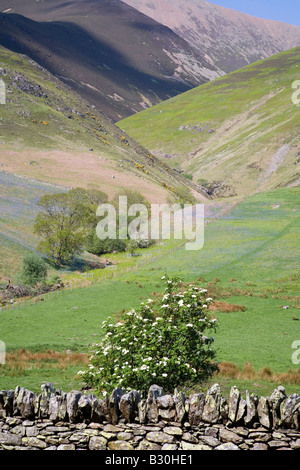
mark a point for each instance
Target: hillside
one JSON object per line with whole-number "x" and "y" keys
{"x": 50, "y": 133}
{"x": 237, "y": 135}
{"x": 229, "y": 39}
{"x": 118, "y": 59}
{"x": 51, "y": 139}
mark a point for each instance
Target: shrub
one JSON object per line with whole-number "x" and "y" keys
{"x": 99, "y": 247}
{"x": 34, "y": 270}
{"x": 162, "y": 342}
{"x": 183, "y": 196}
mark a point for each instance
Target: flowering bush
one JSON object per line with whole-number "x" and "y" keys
{"x": 162, "y": 342}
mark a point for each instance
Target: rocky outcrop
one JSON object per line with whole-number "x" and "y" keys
{"x": 126, "y": 421}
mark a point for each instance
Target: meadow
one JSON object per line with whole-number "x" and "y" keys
{"x": 250, "y": 266}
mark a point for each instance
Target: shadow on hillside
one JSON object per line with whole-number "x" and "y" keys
{"x": 91, "y": 66}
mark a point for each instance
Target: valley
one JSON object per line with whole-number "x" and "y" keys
{"x": 120, "y": 96}
{"x": 239, "y": 132}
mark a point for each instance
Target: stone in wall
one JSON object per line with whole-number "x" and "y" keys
{"x": 125, "y": 421}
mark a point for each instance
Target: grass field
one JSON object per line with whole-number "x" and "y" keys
{"x": 250, "y": 259}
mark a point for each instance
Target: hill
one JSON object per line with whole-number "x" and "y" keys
{"x": 237, "y": 135}
{"x": 48, "y": 132}
{"x": 51, "y": 140}
{"x": 118, "y": 59}
{"x": 229, "y": 39}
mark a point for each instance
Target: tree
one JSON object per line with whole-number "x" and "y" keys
{"x": 65, "y": 221}
{"x": 133, "y": 198}
{"x": 162, "y": 342}
{"x": 34, "y": 270}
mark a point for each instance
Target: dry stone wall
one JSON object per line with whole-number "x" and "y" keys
{"x": 54, "y": 420}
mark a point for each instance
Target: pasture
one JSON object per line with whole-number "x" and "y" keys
{"x": 250, "y": 259}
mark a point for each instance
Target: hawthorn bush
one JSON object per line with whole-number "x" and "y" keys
{"x": 163, "y": 342}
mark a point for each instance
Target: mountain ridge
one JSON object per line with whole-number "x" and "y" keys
{"x": 229, "y": 38}
{"x": 116, "y": 57}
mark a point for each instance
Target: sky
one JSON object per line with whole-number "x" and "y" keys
{"x": 287, "y": 11}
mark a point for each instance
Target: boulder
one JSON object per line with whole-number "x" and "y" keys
{"x": 277, "y": 397}
{"x": 100, "y": 411}
{"x": 97, "y": 443}
{"x": 24, "y": 403}
{"x": 196, "y": 407}
{"x": 180, "y": 406}
{"x": 166, "y": 408}
{"x": 129, "y": 405}
{"x": 42, "y": 401}
{"x": 72, "y": 405}
{"x": 233, "y": 404}
{"x": 113, "y": 403}
{"x": 251, "y": 409}
{"x": 142, "y": 411}
{"x": 6, "y": 403}
{"x": 58, "y": 407}
{"x": 85, "y": 408}
{"x": 264, "y": 412}
{"x": 155, "y": 391}
{"x": 211, "y": 411}
{"x": 290, "y": 412}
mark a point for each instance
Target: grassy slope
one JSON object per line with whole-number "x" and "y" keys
{"x": 56, "y": 131}
{"x": 253, "y": 251}
{"x": 255, "y": 143}
{"x": 46, "y": 140}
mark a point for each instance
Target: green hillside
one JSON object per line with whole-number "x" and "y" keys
{"x": 50, "y": 133}
{"x": 237, "y": 135}
{"x": 249, "y": 261}
{"x": 51, "y": 140}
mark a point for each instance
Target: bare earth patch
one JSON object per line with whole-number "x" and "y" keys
{"x": 84, "y": 169}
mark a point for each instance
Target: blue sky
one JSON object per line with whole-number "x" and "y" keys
{"x": 287, "y": 11}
